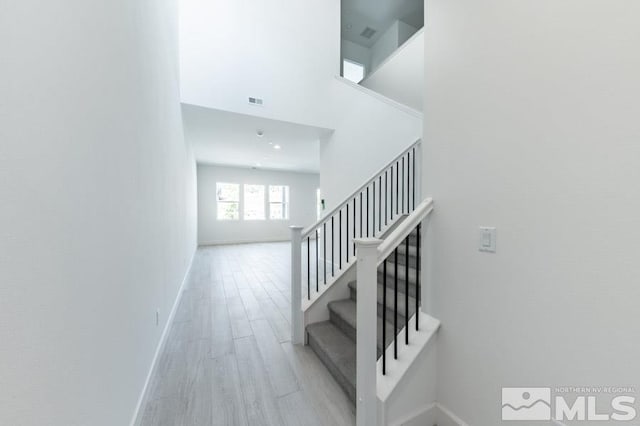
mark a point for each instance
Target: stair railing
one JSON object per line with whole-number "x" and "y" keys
{"x": 371, "y": 253}
{"x": 321, "y": 253}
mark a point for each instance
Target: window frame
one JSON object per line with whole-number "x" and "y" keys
{"x": 285, "y": 202}
{"x": 227, "y": 202}
{"x": 244, "y": 195}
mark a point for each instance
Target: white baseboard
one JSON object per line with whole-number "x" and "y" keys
{"x": 446, "y": 417}
{"x": 235, "y": 242}
{"x": 424, "y": 416}
{"x": 135, "y": 420}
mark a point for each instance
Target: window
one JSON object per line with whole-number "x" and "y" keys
{"x": 228, "y": 197}
{"x": 352, "y": 71}
{"x": 278, "y": 202}
{"x": 254, "y": 202}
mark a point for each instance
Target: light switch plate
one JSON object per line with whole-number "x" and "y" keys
{"x": 487, "y": 241}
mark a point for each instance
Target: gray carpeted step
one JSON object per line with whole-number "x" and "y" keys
{"x": 343, "y": 315}
{"x": 402, "y": 255}
{"x": 390, "y": 302}
{"x": 337, "y": 352}
{"x": 401, "y": 278}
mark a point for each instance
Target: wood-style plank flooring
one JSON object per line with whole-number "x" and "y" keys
{"x": 228, "y": 359}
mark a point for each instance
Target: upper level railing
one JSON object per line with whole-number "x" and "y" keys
{"x": 328, "y": 246}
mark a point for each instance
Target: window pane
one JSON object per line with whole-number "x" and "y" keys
{"x": 352, "y": 71}
{"x": 254, "y": 202}
{"x": 278, "y": 202}
{"x": 228, "y": 210}
{"x": 276, "y": 211}
{"x": 275, "y": 193}
{"x": 228, "y": 191}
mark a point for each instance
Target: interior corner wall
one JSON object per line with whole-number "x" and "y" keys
{"x": 98, "y": 216}
{"x": 302, "y": 208}
{"x": 531, "y": 126}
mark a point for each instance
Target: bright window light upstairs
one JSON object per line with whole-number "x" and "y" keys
{"x": 278, "y": 202}
{"x": 228, "y": 199}
{"x": 254, "y": 202}
{"x": 352, "y": 71}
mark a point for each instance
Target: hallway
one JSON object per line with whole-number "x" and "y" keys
{"x": 228, "y": 359}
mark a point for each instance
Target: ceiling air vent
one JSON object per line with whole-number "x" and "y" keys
{"x": 368, "y": 32}
{"x": 256, "y": 101}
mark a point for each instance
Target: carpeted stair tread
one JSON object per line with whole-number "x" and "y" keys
{"x": 337, "y": 352}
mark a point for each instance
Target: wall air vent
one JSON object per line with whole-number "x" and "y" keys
{"x": 256, "y": 101}
{"x": 368, "y": 32}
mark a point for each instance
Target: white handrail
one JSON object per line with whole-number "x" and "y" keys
{"x": 404, "y": 229}
{"x": 307, "y": 232}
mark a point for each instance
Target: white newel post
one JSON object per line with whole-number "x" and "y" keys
{"x": 366, "y": 340}
{"x": 297, "y": 321}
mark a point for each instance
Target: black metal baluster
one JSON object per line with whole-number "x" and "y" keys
{"x": 324, "y": 245}
{"x": 414, "y": 179}
{"x": 340, "y": 240}
{"x": 317, "y": 261}
{"x": 380, "y": 203}
{"x": 373, "y": 208}
{"x": 397, "y": 184}
{"x": 309, "y": 268}
{"x": 346, "y": 243}
{"x": 360, "y": 214}
{"x": 386, "y": 196}
{"x": 402, "y": 204}
{"x": 406, "y": 292}
{"x": 354, "y": 227}
{"x": 332, "y": 246}
{"x": 367, "y": 212}
{"x": 408, "y": 170}
{"x": 384, "y": 318}
{"x": 395, "y": 305}
{"x": 418, "y": 274}
{"x": 391, "y": 187}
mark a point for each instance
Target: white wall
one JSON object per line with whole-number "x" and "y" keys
{"x": 302, "y": 211}
{"x": 385, "y": 45}
{"x": 98, "y": 216}
{"x": 398, "y": 33}
{"x": 369, "y": 133}
{"x": 357, "y": 53}
{"x": 284, "y": 51}
{"x": 401, "y": 76}
{"x": 289, "y": 52}
{"x": 532, "y": 126}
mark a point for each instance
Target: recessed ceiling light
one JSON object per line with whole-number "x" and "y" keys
{"x": 277, "y": 147}
{"x": 260, "y": 133}
{"x": 270, "y": 143}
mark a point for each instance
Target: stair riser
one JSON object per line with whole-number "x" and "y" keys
{"x": 402, "y": 260}
{"x": 390, "y": 304}
{"x": 401, "y": 283}
{"x": 344, "y": 326}
{"x": 335, "y": 372}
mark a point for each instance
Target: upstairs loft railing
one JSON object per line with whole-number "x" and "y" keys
{"x": 327, "y": 248}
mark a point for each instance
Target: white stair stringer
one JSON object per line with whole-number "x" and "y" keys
{"x": 407, "y": 392}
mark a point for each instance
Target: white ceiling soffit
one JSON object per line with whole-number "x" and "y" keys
{"x": 231, "y": 139}
{"x": 378, "y": 15}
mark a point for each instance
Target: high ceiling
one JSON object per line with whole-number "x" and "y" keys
{"x": 226, "y": 138}
{"x": 378, "y": 15}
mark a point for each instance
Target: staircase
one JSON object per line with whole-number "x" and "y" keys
{"x": 369, "y": 332}
{"x": 334, "y": 341}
